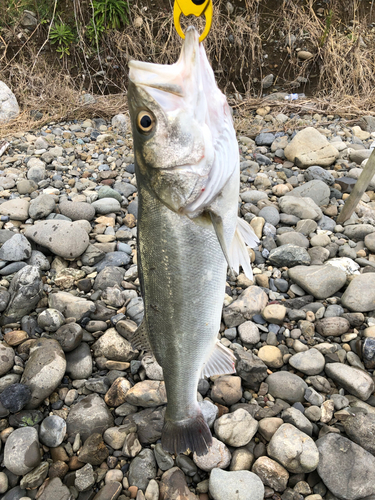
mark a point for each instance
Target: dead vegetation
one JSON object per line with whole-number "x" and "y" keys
{"x": 244, "y": 46}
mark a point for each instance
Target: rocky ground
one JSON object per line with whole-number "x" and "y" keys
{"x": 81, "y": 411}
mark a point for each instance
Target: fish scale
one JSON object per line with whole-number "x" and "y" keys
{"x": 182, "y": 302}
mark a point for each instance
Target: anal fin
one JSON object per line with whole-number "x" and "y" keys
{"x": 139, "y": 339}
{"x": 221, "y": 361}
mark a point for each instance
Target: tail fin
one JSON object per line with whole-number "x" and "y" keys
{"x": 191, "y": 433}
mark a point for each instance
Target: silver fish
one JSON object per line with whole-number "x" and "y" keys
{"x": 187, "y": 170}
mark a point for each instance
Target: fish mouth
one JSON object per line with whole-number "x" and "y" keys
{"x": 169, "y": 78}
{"x": 178, "y": 187}
{"x": 188, "y": 168}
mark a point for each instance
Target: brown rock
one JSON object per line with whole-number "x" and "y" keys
{"x": 110, "y": 491}
{"x": 129, "y": 220}
{"x": 59, "y": 454}
{"x": 268, "y": 426}
{"x": 58, "y": 469}
{"x": 75, "y": 463}
{"x": 116, "y": 365}
{"x": 107, "y": 182}
{"x": 274, "y": 313}
{"x": 226, "y": 390}
{"x": 15, "y": 338}
{"x": 262, "y": 280}
{"x": 131, "y": 446}
{"x": 309, "y": 147}
{"x": 173, "y": 486}
{"x": 94, "y": 450}
{"x": 304, "y": 54}
{"x": 133, "y": 490}
{"x": 116, "y": 394}
{"x": 147, "y": 394}
{"x": 271, "y": 473}
{"x": 330, "y": 211}
{"x": 327, "y": 408}
{"x": 271, "y": 356}
{"x": 332, "y": 326}
{"x": 25, "y": 347}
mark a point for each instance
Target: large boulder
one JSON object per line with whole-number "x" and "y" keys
{"x": 360, "y": 294}
{"x": 63, "y": 238}
{"x": 26, "y": 289}
{"x": 345, "y": 467}
{"x": 316, "y": 189}
{"x": 8, "y": 104}
{"x": 321, "y": 281}
{"x": 44, "y": 370}
{"x": 309, "y": 147}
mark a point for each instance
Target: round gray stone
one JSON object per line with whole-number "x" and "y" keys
{"x": 354, "y": 380}
{"x": 289, "y": 256}
{"x": 316, "y": 190}
{"x": 345, "y": 467}
{"x": 293, "y": 449}
{"x": 50, "y": 320}
{"x": 44, "y": 370}
{"x": 89, "y": 416}
{"x": 360, "y": 294}
{"x": 21, "y": 452}
{"x": 142, "y": 469}
{"x": 52, "y": 431}
{"x": 286, "y": 386}
{"x": 41, "y": 206}
{"x": 15, "y": 249}
{"x": 310, "y": 362}
{"x": 63, "y": 238}
{"x": 106, "y": 206}
{"x": 321, "y": 281}
{"x": 235, "y": 484}
{"x": 318, "y": 173}
{"x": 77, "y": 210}
{"x": 270, "y": 214}
{"x": 79, "y": 362}
{"x": 249, "y": 333}
{"x": 7, "y": 359}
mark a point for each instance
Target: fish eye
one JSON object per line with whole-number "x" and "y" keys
{"x": 145, "y": 122}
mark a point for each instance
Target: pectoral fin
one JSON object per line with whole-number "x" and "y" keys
{"x": 220, "y": 362}
{"x": 139, "y": 339}
{"x": 217, "y": 222}
{"x": 238, "y": 254}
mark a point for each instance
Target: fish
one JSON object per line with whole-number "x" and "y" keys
{"x": 187, "y": 170}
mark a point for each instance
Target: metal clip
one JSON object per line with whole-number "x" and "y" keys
{"x": 193, "y": 8}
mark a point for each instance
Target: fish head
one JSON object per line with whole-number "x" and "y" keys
{"x": 175, "y": 112}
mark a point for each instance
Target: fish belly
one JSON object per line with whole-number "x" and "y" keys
{"x": 183, "y": 272}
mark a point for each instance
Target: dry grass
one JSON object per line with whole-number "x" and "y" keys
{"x": 342, "y": 62}
{"x": 342, "y": 44}
{"x": 55, "y": 96}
